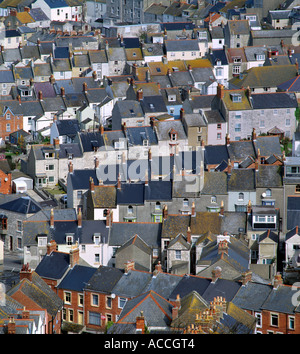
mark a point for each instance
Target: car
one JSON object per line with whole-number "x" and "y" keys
{"x": 64, "y": 199}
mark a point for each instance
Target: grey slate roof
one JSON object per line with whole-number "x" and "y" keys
{"x": 121, "y": 232}
{"x": 77, "y": 278}
{"x": 104, "y": 279}
{"x": 242, "y": 180}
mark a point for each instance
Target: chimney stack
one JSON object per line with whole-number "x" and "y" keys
{"x": 246, "y": 277}
{"x": 223, "y": 248}
{"x": 84, "y": 87}
{"x": 25, "y": 313}
{"x": 79, "y": 218}
{"x": 165, "y": 212}
{"x": 220, "y": 91}
{"x": 189, "y": 235}
{"x": 71, "y": 170}
{"x": 51, "y": 247}
{"x": 11, "y": 326}
{"x": 26, "y": 272}
{"x": 74, "y": 255}
{"x": 158, "y": 268}
{"x": 193, "y": 209}
{"x": 96, "y": 162}
{"x": 119, "y": 182}
{"x": 277, "y": 281}
{"x": 129, "y": 265}
{"x": 139, "y": 94}
{"x": 249, "y": 207}
{"x": 92, "y": 185}
{"x": 222, "y": 208}
{"x": 62, "y": 92}
{"x": 216, "y": 273}
{"x": 140, "y": 323}
{"x": 52, "y": 218}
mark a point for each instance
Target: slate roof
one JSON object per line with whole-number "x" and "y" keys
{"x": 39, "y": 292}
{"x": 174, "y": 225}
{"x": 137, "y": 135}
{"x": 237, "y": 257}
{"x": 215, "y": 154}
{"x": 157, "y": 311}
{"x": 131, "y": 193}
{"x": 186, "y": 45}
{"x": 280, "y": 300}
{"x": 204, "y": 222}
{"x": 68, "y": 127}
{"x": 80, "y": 179}
{"x": 84, "y": 235}
{"x": 205, "y": 288}
{"x": 53, "y": 266}
{"x": 77, "y": 278}
{"x": 121, "y": 232}
{"x": 215, "y": 183}
{"x": 268, "y": 177}
{"x": 242, "y": 180}
{"x": 265, "y": 76}
{"x": 22, "y": 205}
{"x": 239, "y": 150}
{"x": 269, "y": 235}
{"x": 158, "y": 191}
{"x": 274, "y": 100}
{"x": 104, "y": 196}
{"x": 104, "y": 279}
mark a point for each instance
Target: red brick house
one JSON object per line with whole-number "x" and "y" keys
{"x": 32, "y": 292}
{"x": 9, "y": 123}
{"x": 5, "y": 177}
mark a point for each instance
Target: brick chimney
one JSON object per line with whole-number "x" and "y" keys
{"x": 96, "y": 162}
{"x": 189, "y": 235}
{"x": 176, "y": 307}
{"x": 79, "y": 218}
{"x": 74, "y": 255}
{"x": 158, "y": 269}
{"x": 246, "y": 277}
{"x": 40, "y": 94}
{"x": 222, "y": 208}
{"x": 140, "y": 323}
{"x": 119, "y": 182}
{"x": 165, "y": 212}
{"x": 215, "y": 274}
{"x": 193, "y": 209}
{"x": 92, "y": 185}
{"x": 51, "y": 247}
{"x": 25, "y": 313}
{"x": 277, "y": 281}
{"x": 139, "y": 94}
{"x": 71, "y": 169}
{"x": 129, "y": 265}
{"x": 26, "y": 272}
{"x": 11, "y": 326}
{"x": 220, "y": 91}
{"x": 52, "y": 218}
{"x": 223, "y": 248}
{"x": 229, "y": 167}
{"x": 249, "y": 207}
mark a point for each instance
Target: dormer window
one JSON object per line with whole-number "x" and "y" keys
{"x": 235, "y": 97}
{"x": 97, "y": 239}
{"x": 69, "y": 240}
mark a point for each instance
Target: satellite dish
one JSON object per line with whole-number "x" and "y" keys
{"x": 264, "y": 195}
{"x": 113, "y": 296}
